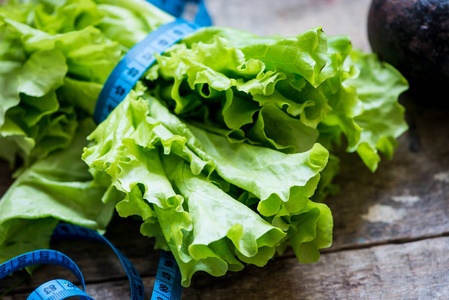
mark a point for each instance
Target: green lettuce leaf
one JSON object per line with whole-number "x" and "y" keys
{"x": 378, "y": 88}
{"x": 185, "y": 183}
{"x": 57, "y": 188}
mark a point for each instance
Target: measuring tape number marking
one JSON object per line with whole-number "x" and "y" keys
{"x": 167, "y": 284}
{"x": 58, "y": 289}
{"x": 52, "y": 289}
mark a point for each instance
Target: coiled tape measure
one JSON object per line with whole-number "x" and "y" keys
{"x": 54, "y": 289}
{"x": 122, "y": 79}
{"x": 59, "y": 288}
{"x": 167, "y": 284}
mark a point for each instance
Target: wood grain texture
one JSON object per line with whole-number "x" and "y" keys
{"x": 406, "y": 271}
{"x": 415, "y": 270}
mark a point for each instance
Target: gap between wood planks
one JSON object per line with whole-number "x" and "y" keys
{"x": 289, "y": 254}
{"x": 347, "y": 285}
{"x": 398, "y": 241}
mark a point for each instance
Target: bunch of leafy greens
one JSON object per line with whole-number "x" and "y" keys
{"x": 222, "y": 148}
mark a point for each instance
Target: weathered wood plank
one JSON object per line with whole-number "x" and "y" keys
{"x": 415, "y": 270}
{"x": 407, "y": 197}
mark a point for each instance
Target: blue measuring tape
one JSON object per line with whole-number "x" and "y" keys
{"x": 52, "y": 288}
{"x": 59, "y": 288}
{"x": 176, "y": 8}
{"x": 168, "y": 279}
{"x": 134, "y": 64}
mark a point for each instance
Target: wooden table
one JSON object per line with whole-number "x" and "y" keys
{"x": 391, "y": 228}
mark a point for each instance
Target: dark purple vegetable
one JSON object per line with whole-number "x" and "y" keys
{"x": 413, "y": 36}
